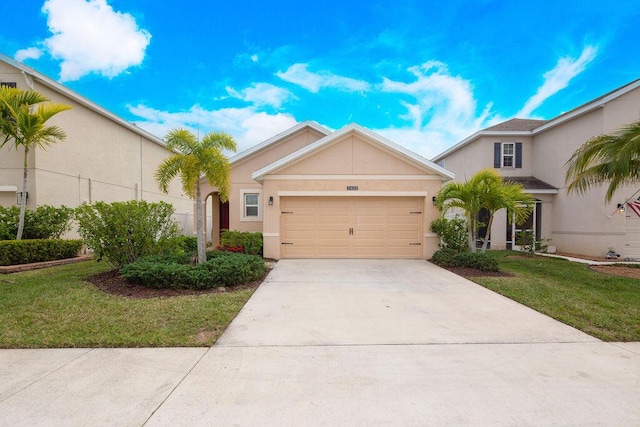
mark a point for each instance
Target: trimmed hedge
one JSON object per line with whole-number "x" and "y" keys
{"x": 14, "y": 252}
{"x": 451, "y": 258}
{"x": 174, "y": 272}
{"x": 242, "y": 241}
{"x": 45, "y": 222}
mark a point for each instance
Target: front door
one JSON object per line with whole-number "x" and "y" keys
{"x": 521, "y": 234}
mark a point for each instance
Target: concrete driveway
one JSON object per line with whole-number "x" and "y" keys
{"x": 343, "y": 342}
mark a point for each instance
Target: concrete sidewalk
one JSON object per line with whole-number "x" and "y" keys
{"x": 343, "y": 342}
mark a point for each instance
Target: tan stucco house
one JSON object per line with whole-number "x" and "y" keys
{"x": 534, "y": 153}
{"x": 104, "y": 158}
{"x": 320, "y": 194}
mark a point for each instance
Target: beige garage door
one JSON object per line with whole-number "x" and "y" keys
{"x": 356, "y": 227}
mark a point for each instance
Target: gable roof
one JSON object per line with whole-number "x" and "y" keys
{"x": 276, "y": 139}
{"x": 372, "y": 137}
{"x": 31, "y": 74}
{"x": 527, "y": 127}
{"x": 517, "y": 125}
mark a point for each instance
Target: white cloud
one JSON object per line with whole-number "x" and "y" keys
{"x": 558, "y": 78}
{"x": 300, "y": 75}
{"x": 442, "y": 110}
{"x": 28, "y": 53}
{"x": 246, "y": 125}
{"x": 262, "y": 94}
{"x": 90, "y": 37}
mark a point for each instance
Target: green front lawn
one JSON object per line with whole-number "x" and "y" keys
{"x": 604, "y": 306}
{"x": 54, "y": 307}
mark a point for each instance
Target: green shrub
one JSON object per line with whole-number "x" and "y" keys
{"x": 122, "y": 232}
{"x": 452, "y": 233}
{"x": 174, "y": 273}
{"x": 45, "y": 222}
{"x": 476, "y": 260}
{"x": 13, "y": 252}
{"x": 444, "y": 257}
{"x": 183, "y": 245}
{"x": 449, "y": 258}
{"x": 250, "y": 243}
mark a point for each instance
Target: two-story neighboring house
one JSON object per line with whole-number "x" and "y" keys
{"x": 103, "y": 158}
{"x": 534, "y": 153}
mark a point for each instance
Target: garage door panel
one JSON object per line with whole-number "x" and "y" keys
{"x": 382, "y": 227}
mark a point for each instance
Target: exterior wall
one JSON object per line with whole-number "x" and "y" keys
{"x": 478, "y": 155}
{"x": 584, "y": 224}
{"x": 99, "y": 160}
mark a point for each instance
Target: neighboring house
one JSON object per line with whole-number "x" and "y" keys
{"x": 320, "y": 194}
{"x": 103, "y": 158}
{"x": 534, "y": 153}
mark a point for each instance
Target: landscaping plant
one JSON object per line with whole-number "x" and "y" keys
{"x": 122, "y": 232}
{"x": 45, "y": 222}
{"x": 176, "y": 272}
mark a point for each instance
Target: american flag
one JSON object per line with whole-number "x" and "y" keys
{"x": 635, "y": 206}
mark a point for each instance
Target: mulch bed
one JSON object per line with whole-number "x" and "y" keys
{"x": 113, "y": 283}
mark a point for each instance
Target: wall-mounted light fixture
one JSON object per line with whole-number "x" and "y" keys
{"x": 433, "y": 199}
{"x": 620, "y": 207}
{"x": 270, "y": 200}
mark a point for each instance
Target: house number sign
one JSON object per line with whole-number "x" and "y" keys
{"x": 352, "y": 188}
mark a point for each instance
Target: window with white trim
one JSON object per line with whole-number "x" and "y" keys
{"x": 251, "y": 207}
{"x": 508, "y": 154}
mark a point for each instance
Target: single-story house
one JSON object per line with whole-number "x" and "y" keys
{"x": 103, "y": 158}
{"x": 320, "y": 194}
{"x": 534, "y": 153}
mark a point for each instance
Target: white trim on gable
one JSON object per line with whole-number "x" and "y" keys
{"x": 392, "y": 147}
{"x": 287, "y": 133}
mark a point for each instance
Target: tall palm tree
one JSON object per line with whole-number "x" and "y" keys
{"x": 486, "y": 189}
{"x": 23, "y": 118}
{"x": 613, "y": 158}
{"x": 193, "y": 159}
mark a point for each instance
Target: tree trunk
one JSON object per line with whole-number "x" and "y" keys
{"x": 487, "y": 235}
{"x": 470, "y": 234}
{"x": 202, "y": 248}
{"x": 23, "y": 196}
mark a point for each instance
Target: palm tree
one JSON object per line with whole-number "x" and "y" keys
{"x": 191, "y": 160}
{"x": 486, "y": 189}
{"x": 613, "y": 158}
{"x": 461, "y": 195}
{"x": 23, "y": 118}
{"x": 499, "y": 194}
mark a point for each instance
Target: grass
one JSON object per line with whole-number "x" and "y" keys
{"x": 604, "y": 306}
{"x": 54, "y": 307}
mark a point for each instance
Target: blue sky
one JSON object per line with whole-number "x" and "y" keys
{"x": 423, "y": 74}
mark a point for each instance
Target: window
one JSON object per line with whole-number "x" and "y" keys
{"x": 507, "y": 155}
{"x": 251, "y": 205}
{"x": 508, "y": 152}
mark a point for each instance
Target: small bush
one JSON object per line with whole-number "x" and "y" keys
{"x": 444, "y": 257}
{"x": 174, "y": 272}
{"x": 452, "y": 233}
{"x": 122, "y": 232}
{"x": 450, "y": 258}
{"x": 14, "y": 252}
{"x": 250, "y": 243}
{"x": 476, "y": 260}
{"x": 45, "y": 222}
